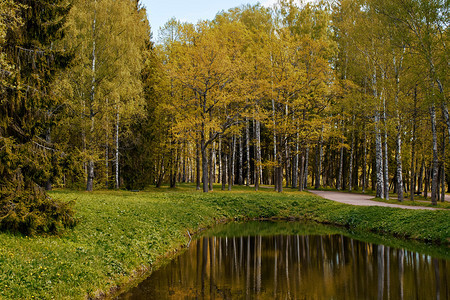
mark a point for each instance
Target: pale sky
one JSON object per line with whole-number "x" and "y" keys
{"x": 160, "y": 11}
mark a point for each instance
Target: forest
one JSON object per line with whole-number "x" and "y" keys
{"x": 347, "y": 94}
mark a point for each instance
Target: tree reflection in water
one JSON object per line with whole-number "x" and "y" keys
{"x": 295, "y": 267}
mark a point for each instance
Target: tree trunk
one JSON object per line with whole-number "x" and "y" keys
{"x": 247, "y": 145}
{"x": 420, "y": 179}
{"x": 364, "y": 172}
{"x": 258, "y": 154}
{"x": 319, "y": 155}
{"x": 427, "y": 181}
{"x": 379, "y": 158}
{"x": 448, "y": 184}
{"x": 435, "y": 165}
{"x": 341, "y": 166}
{"x": 438, "y": 189}
{"x": 317, "y": 169}
{"x": 204, "y": 165}
{"x": 352, "y": 149}
{"x": 443, "y": 168}
{"x": 172, "y": 165}
{"x": 398, "y": 68}
{"x": 287, "y": 164}
{"x": 184, "y": 178}
{"x": 301, "y": 184}
{"x": 224, "y": 172}
{"x": 305, "y": 180}
{"x": 210, "y": 169}
{"x": 413, "y": 149}
{"x": 90, "y": 181}
{"x": 295, "y": 162}
{"x": 198, "y": 166}
{"x": 233, "y": 161}
{"x": 286, "y": 154}
{"x": 386, "y": 156}
{"x": 214, "y": 162}
{"x": 230, "y": 167}
{"x": 220, "y": 159}
{"x": 412, "y": 188}
{"x": 48, "y": 184}
{"x": 399, "y": 161}
{"x": 279, "y": 176}
{"x": 116, "y": 160}
{"x": 241, "y": 154}
{"x": 107, "y": 149}
{"x": 90, "y": 167}
{"x": 275, "y": 171}
{"x": 446, "y": 117}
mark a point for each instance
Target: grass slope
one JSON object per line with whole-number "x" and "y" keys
{"x": 121, "y": 232}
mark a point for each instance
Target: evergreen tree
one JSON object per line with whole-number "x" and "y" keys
{"x": 29, "y": 63}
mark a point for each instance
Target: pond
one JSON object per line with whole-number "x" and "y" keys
{"x": 283, "y": 260}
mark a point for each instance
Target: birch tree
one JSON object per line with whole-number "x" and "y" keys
{"x": 105, "y": 79}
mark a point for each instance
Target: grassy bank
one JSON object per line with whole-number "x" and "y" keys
{"x": 418, "y": 202}
{"x": 121, "y": 232}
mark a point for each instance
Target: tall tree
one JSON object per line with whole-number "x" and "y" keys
{"x": 104, "y": 81}
{"x": 29, "y": 62}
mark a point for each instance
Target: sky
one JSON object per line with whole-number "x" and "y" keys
{"x": 160, "y": 11}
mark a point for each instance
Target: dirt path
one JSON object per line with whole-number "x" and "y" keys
{"x": 362, "y": 200}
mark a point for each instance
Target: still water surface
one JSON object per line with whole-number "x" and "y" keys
{"x": 295, "y": 266}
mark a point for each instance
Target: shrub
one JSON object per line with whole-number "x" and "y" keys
{"x": 32, "y": 211}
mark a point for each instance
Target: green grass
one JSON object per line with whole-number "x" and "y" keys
{"x": 422, "y": 201}
{"x": 121, "y": 232}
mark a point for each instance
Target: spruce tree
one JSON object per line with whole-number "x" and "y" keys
{"x": 26, "y": 108}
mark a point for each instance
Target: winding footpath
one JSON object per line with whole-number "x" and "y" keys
{"x": 361, "y": 200}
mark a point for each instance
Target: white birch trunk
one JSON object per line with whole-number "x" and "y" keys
{"x": 258, "y": 153}
{"x": 258, "y": 169}
{"x": 399, "y": 132}
{"x": 399, "y": 163}
{"x": 241, "y": 154}
{"x": 352, "y": 150}
{"x": 247, "y": 145}
{"x": 90, "y": 166}
{"x": 296, "y": 161}
{"x": 413, "y": 150}
{"x": 214, "y": 162}
{"x": 220, "y": 159}
{"x": 233, "y": 161}
{"x": 385, "y": 145}
{"x": 319, "y": 162}
{"x": 275, "y": 171}
{"x": 341, "y": 161}
{"x": 224, "y": 173}
{"x": 378, "y": 158}
{"x": 364, "y": 172}
{"x": 211, "y": 168}
{"x": 378, "y": 143}
{"x": 434, "y": 176}
{"x": 286, "y": 153}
